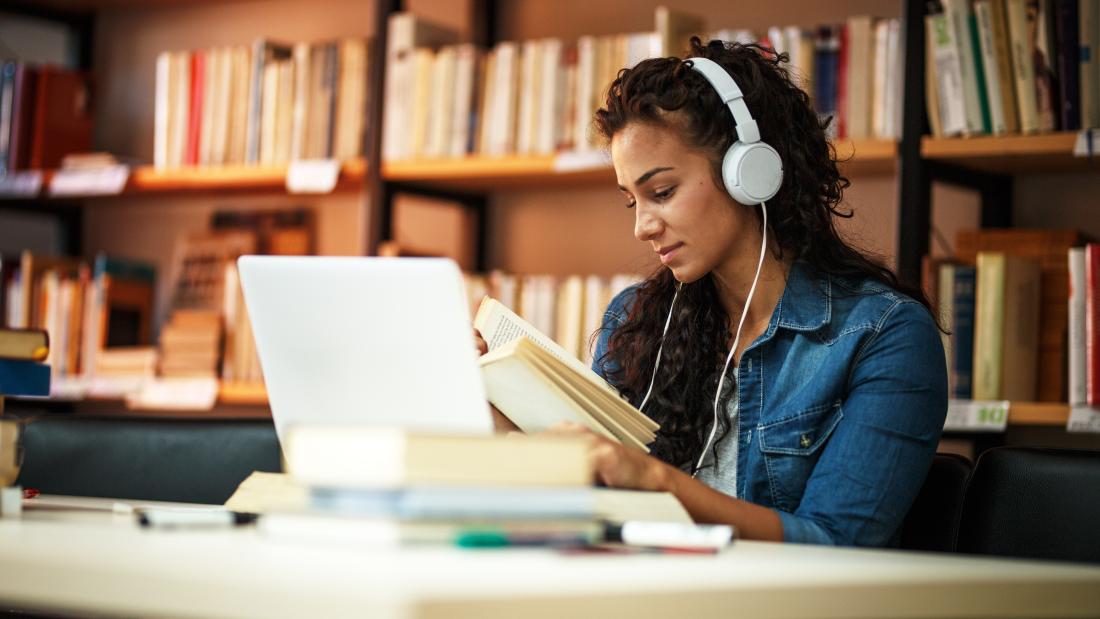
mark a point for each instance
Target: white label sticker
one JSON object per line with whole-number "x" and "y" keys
{"x": 312, "y": 176}
{"x": 976, "y": 416}
{"x": 21, "y": 184}
{"x": 1083, "y": 419}
{"x": 106, "y": 181}
{"x": 1087, "y": 144}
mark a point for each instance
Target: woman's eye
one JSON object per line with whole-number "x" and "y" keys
{"x": 630, "y": 204}
{"x": 664, "y": 194}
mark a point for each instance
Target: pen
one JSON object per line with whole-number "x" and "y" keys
{"x": 488, "y": 538}
{"x": 670, "y": 535}
{"x": 179, "y": 518}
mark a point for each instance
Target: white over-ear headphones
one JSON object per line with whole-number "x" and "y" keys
{"x": 752, "y": 173}
{"x": 751, "y": 170}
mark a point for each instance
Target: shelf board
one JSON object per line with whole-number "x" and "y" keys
{"x": 242, "y": 394}
{"x": 1009, "y": 154}
{"x": 1038, "y": 414}
{"x": 145, "y": 180}
{"x": 486, "y": 174}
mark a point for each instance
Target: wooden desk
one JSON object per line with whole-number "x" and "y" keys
{"x": 98, "y": 562}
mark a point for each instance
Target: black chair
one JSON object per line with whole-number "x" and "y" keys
{"x": 191, "y": 461}
{"x": 1033, "y": 503}
{"x": 933, "y": 521}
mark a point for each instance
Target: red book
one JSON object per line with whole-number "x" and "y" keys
{"x": 842, "y": 85}
{"x": 62, "y": 117}
{"x": 1092, "y": 324}
{"x": 22, "y": 117}
{"x": 194, "y": 124}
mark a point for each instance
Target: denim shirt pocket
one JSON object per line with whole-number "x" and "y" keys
{"x": 792, "y": 446}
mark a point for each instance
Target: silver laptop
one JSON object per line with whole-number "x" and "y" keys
{"x": 380, "y": 341}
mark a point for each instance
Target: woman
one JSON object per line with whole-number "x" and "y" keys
{"x": 827, "y": 419}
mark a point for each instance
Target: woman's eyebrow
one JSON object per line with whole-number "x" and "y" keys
{"x": 648, "y": 175}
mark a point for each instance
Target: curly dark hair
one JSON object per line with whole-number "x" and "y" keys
{"x": 802, "y": 216}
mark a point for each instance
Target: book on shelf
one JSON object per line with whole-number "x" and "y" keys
{"x": 1091, "y": 345}
{"x": 537, "y": 384}
{"x": 45, "y": 114}
{"x": 1012, "y": 66}
{"x": 1078, "y": 325}
{"x": 1049, "y": 249}
{"x": 366, "y": 457}
{"x": 534, "y": 97}
{"x": 1006, "y": 328}
{"x": 21, "y": 377}
{"x": 24, "y": 344}
{"x": 268, "y": 104}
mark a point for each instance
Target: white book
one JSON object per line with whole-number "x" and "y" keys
{"x": 879, "y": 109}
{"x": 530, "y": 97}
{"x": 209, "y": 94}
{"x": 302, "y": 83}
{"x": 778, "y": 40}
{"x": 466, "y": 64}
{"x": 219, "y": 133}
{"x": 895, "y": 80}
{"x": 570, "y": 316}
{"x": 269, "y": 119}
{"x": 947, "y": 68}
{"x": 1078, "y": 336}
{"x": 179, "y": 109}
{"x": 242, "y": 85}
{"x": 957, "y": 13}
{"x": 441, "y": 108}
{"x": 162, "y": 100}
{"x": 548, "y": 119}
{"x": 983, "y": 12}
{"x": 945, "y": 299}
{"x": 583, "y": 104}
{"x": 502, "y": 115}
{"x": 596, "y": 299}
{"x": 405, "y": 32}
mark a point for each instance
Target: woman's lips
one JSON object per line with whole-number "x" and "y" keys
{"x": 668, "y": 253}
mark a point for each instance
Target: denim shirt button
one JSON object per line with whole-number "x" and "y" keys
{"x": 804, "y": 441}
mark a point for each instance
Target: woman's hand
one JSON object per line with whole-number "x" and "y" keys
{"x": 619, "y": 466}
{"x": 480, "y": 344}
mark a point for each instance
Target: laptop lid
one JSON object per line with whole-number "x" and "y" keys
{"x": 379, "y": 341}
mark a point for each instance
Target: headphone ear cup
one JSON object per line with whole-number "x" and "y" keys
{"x": 752, "y": 172}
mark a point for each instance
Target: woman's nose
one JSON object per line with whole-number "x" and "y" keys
{"x": 646, "y": 224}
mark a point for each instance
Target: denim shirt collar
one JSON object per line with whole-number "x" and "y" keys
{"x": 806, "y": 304}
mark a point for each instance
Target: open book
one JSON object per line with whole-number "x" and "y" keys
{"x": 536, "y": 384}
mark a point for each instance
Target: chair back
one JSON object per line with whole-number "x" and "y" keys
{"x": 1033, "y": 503}
{"x": 933, "y": 521}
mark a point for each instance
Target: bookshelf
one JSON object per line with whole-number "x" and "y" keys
{"x": 1013, "y": 154}
{"x": 516, "y": 173}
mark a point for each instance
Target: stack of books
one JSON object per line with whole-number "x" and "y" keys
{"x": 190, "y": 344}
{"x": 45, "y": 114}
{"x": 391, "y": 486}
{"x": 22, "y": 368}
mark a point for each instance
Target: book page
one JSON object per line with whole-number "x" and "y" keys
{"x": 499, "y": 325}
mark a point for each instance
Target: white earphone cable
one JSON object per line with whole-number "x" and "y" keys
{"x": 736, "y": 337}
{"x": 661, "y": 348}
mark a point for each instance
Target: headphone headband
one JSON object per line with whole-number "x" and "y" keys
{"x": 730, "y": 92}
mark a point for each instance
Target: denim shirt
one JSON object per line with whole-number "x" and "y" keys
{"x": 840, "y": 406}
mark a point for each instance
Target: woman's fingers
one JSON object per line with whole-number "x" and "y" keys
{"x": 479, "y": 343}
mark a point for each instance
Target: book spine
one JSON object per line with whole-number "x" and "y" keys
{"x": 194, "y": 126}
{"x": 21, "y": 119}
{"x": 949, "y": 79}
{"x": 1078, "y": 291}
{"x": 990, "y": 71}
{"x": 1041, "y": 35}
{"x": 958, "y": 22}
{"x": 1068, "y": 55}
{"x": 1003, "y": 50}
{"x": 1023, "y": 65}
{"x": 989, "y": 327}
{"x": 1088, "y": 78}
{"x": 979, "y": 75}
{"x": 842, "y": 86}
{"x": 24, "y": 378}
{"x": 962, "y": 362}
{"x": 7, "y": 102}
{"x": 1092, "y": 323}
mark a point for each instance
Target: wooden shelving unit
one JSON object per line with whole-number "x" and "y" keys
{"x": 1012, "y": 154}
{"x": 487, "y": 174}
{"x": 223, "y": 179}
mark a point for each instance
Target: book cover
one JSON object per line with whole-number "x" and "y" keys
{"x": 980, "y": 75}
{"x": 24, "y": 378}
{"x": 1006, "y": 328}
{"x": 951, "y": 99}
{"x": 1088, "y": 75}
{"x": 24, "y": 344}
{"x": 1041, "y": 31}
{"x": 991, "y": 70}
{"x": 7, "y": 98}
{"x": 264, "y": 52}
{"x": 1003, "y": 49}
{"x": 22, "y": 116}
{"x": 195, "y": 115}
{"x": 957, "y": 14}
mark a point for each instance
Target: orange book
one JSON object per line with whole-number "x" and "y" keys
{"x": 194, "y": 125}
{"x": 62, "y": 116}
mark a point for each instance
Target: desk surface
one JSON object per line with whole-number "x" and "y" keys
{"x": 63, "y": 561}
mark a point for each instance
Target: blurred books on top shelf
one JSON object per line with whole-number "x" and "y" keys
{"x": 537, "y": 97}
{"x": 268, "y": 104}
{"x": 999, "y": 67}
